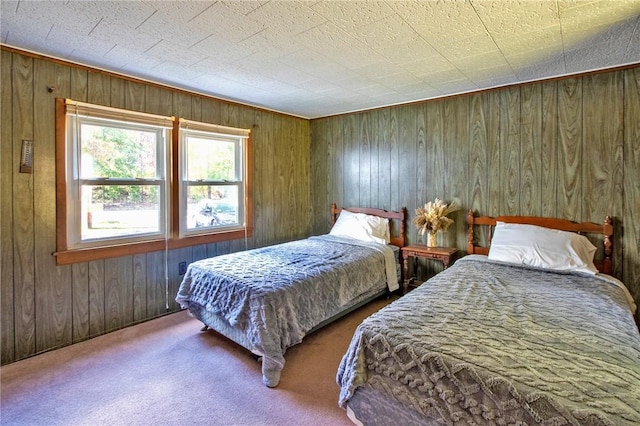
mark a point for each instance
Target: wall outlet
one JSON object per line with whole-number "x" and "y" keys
{"x": 182, "y": 268}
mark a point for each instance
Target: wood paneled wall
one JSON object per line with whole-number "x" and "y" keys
{"x": 44, "y": 306}
{"x": 566, "y": 148}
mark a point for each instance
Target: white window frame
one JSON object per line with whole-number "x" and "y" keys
{"x": 78, "y": 113}
{"x": 214, "y": 133}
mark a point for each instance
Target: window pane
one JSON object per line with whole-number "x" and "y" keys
{"x": 212, "y": 206}
{"x": 112, "y": 152}
{"x": 210, "y": 159}
{"x": 118, "y": 210}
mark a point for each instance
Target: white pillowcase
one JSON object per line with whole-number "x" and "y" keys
{"x": 542, "y": 247}
{"x": 362, "y": 227}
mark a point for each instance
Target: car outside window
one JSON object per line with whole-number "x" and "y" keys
{"x": 213, "y": 178}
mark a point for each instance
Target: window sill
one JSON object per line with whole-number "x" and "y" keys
{"x": 67, "y": 257}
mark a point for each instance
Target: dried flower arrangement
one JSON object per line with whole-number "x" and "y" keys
{"x": 433, "y": 216}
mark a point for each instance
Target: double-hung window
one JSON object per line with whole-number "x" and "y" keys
{"x": 130, "y": 182}
{"x": 213, "y": 178}
{"x": 116, "y": 172}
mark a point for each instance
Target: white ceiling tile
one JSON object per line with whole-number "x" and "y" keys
{"x": 543, "y": 38}
{"x": 214, "y": 82}
{"x": 281, "y": 88}
{"x": 456, "y": 86}
{"x": 9, "y": 17}
{"x": 164, "y": 26}
{"x": 211, "y": 65}
{"x": 35, "y": 39}
{"x": 492, "y": 76}
{"x": 329, "y": 40}
{"x": 355, "y": 59}
{"x": 386, "y": 32}
{"x": 421, "y": 92}
{"x": 580, "y": 15}
{"x": 633, "y": 47}
{"x": 472, "y": 46}
{"x": 267, "y": 43}
{"x": 168, "y": 70}
{"x": 378, "y": 91}
{"x": 292, "y": 17}
{"x": 123, "y": 35}
{"x": 530, "y": 57}
{"x": 424, "y": 67}
{"x": 380, "y": 69}
{"x": 220, "y": 50}
{"x": 181, "y": 12}
{"x": 408, "y": 90}
{"x": 496, "y": 80}
{"x": 615, "y": 33}
{"x": 583, "y": 58}
{"x": 504, "y": 19}
{"x": 482, "y": 60}
{"x": 354, "y": 83}
{"x": 438, "y": 22}
{"x": 318, "y": 57}
{"x": 167, "y": 50}
{"x": 349, "y": 15}
{"x": 133, "y": 60}
{"x": 79, "y": 12}
{"x": 226, "y": 22}
{"x": 441, "y": 77}
{"x": 539, "y": 70}
{"x": 397, "y": 78}
{"x": 312, "y": 64}
{"x": 84, "y": 45}
{"x": 405, "y": 51}
{"x": 243, "y": 7}
{"x": 71, "y": 17}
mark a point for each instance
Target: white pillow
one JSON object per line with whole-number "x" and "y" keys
{"x": 362, "y": 227}
{"x": 542, "y": 247}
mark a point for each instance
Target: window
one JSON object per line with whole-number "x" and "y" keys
{"x": 130, "y": 182}
{"x": 116, "y": 163}
{"x": 212, "y": 178}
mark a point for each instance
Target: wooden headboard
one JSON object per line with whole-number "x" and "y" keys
{"x": 604, "y": 265}
{"x": 397, "y": 221}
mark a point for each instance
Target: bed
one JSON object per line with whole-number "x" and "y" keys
{"x": 267, "y": 299}
{"x": 523, "y": 330}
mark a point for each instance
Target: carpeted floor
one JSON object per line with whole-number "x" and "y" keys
{"x": 167, "y": 372}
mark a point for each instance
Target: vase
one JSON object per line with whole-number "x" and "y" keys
{"x": 432, "y": 239}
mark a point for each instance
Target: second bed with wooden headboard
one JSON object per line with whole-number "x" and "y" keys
{"x": 527, "y": 332}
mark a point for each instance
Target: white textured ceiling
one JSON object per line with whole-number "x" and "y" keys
{"x": 319, "y": 58}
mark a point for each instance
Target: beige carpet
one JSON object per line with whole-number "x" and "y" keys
{"x": 167, "y": 372}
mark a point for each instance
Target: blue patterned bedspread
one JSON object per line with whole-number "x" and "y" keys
{"x": 275, "y": 295}
{"x": 488, "y": 343}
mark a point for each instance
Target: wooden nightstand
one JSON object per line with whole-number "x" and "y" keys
{"x": 443, "y": 254}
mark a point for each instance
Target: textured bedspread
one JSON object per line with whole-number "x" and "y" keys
{"x": 275, "y": 295}
{"x": 487, "y": 343}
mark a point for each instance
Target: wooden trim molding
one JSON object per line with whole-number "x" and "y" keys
{"x": 67, "y": 257}
{"x": 61, "y": 176}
